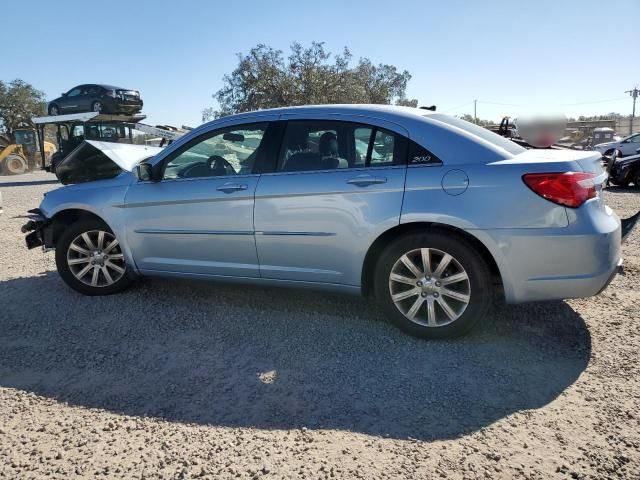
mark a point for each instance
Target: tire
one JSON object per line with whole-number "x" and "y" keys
{"x": 620, "y": 184}
{"x": 473, "y": 294}
{"x": 636, "y": 178}
{"x": 69, "y": 249}
{"x": 97, "y": 106}
{"x": 14, "y": 165}
{"x": 54, "y": 110}
{"x": 609, "y": 152}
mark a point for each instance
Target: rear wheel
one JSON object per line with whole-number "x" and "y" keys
{"x": 636, "y": 178}
{"x": 90, "y": 260}
{"x": 96, "y": 106}
{"x": 433, "y": 284}
{"x": 14, "y": 165}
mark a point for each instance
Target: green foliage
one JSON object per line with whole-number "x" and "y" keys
{"x": 264, "y": 78}
{"x": 482, "y": 123}
{"x": 19, "y": 101}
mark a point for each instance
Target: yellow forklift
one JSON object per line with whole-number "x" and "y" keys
{"x": 23, "y": 154}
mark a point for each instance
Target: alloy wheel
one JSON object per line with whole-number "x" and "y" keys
{"x": 95, "y": 258}
{"x": 429, "y": 287}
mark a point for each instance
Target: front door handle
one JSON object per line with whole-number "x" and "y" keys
{"x": 232, "y": 187}
{"x": 365, "y": 180}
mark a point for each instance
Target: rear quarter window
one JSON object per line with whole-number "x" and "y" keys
{"x": 480, "y": 132}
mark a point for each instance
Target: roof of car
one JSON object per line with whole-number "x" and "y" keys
{"x": 109, "y": 87}
{"x": 351, "y": 108}
{"x": 391, "y": 112}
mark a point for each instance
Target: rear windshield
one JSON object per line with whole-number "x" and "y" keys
{"x": 483, "y": 133}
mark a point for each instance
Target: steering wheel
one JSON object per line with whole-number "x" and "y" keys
{"x": 219, "y": 166}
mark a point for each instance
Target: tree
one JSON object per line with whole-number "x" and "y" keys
{"x": 19, "y": 101}
{"x": 265, "y": 79}
{"x": 482, "y": 123}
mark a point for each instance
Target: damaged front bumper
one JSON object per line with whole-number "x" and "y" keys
{"x": 41, "y": 233}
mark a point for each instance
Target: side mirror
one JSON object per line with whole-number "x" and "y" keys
{"x": 144, "y": 172}
{"x": 63, "y": 94}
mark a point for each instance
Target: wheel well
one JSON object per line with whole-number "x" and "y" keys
{"x": 65, "y": 218}
{"x": 371, "y": 258}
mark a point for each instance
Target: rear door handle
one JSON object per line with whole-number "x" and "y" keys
{"x": 365, "y": 180}
{"x": 232, "y": 187}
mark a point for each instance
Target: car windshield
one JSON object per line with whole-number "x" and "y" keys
{"x": 481, "y": 132}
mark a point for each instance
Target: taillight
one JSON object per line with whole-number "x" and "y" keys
{"x": 570, "y": 189}
{"x": 110, "y": 93}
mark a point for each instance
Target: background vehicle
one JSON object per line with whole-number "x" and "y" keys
{"x": 97, "y": 98}
{"x": 71, "y": 130}
{"x": 290, "y": 197}
{"x": 23, "y": 154}
{"x": 625, "y": 170}
{"x": 626, "y": 146}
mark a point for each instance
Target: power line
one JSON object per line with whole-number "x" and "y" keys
{"x": 597, "y": 101}
{"x": 504, "y": 104}
{"x": 456, "y": 108}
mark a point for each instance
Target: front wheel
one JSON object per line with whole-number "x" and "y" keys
{"x": 14, "y": 165}
{"x": 96, "y": 107}
{"x": 90, "y": 260}
{"x": 433, "y": 284}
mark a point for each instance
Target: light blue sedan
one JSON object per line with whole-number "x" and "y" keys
{"x": 427, "y": 213}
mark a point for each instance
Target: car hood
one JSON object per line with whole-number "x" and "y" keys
{"x": 93, "y": 160}
{"x": 605, "y": 145}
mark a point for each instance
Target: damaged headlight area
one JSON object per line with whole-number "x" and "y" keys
{"x": 40, "y": 228}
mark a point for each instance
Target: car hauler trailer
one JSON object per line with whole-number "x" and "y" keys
{"x": 71, "y": 130}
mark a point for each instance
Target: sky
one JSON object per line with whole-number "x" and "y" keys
{"x": 575, "y": 57}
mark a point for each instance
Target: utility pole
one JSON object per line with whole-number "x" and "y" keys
{"x": 634, "y": 94}
{"x": 475, "y": 116}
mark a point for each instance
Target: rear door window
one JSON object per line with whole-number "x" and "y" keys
{"x": 332, "y": 145}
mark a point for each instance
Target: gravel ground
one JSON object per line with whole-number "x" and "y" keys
{"x": 178, "y": 380}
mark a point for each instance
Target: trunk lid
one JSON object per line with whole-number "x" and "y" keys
{"x": 576, "y": 160}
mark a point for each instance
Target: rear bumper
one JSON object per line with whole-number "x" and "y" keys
{"x": 561, "y": 263}
{"x": 114, "y": 105}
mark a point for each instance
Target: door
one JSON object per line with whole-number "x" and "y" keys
{"x": 630, "y": 145}
{"x": 90, "y": 94}
{"x": 336, "y": 186}
{"x": 198, "y": 219}
{"x": 71, "y": 102}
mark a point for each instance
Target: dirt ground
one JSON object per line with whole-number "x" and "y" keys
{"x": 180, "y": 380}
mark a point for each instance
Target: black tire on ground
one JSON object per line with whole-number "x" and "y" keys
{"x": 14, "y": 165}
{"x": 53, "y": 109}
{"x": 624, "y": 183}
{"x": 91, "y": 226}
{"x": 480, "y": 282}
{"x": 636, "y": 178}
{"x": 97, "y": 106}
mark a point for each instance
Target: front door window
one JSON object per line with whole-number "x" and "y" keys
{"x": 227, "y": 152}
